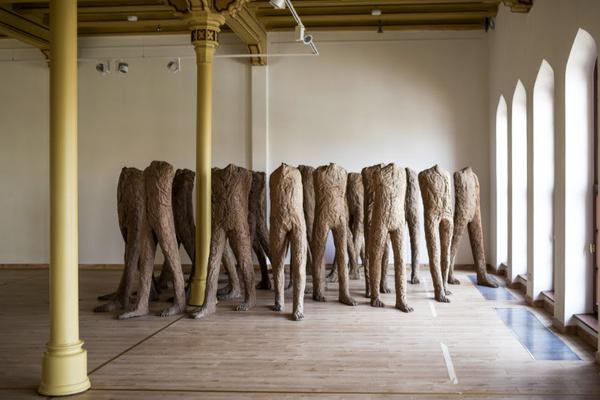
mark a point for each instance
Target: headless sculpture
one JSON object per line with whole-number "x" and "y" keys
{"x": 435, "y": 190}
{"x": 467, "y": 214}
{"x": 308, "y": 202}
{"x": 258, "y": 227}
{"x": 131, "y": 208}
{"x": 388, "y": 219}
{"x": 160, "y": 226}
{"x": 288, "y": 227}
{"x": 413, "y": 221}
{"x": 356, "y": 210}
{"x": 330, "y": 214}
{"x": 230, "y": 190}
{"x": 367, "y": 178}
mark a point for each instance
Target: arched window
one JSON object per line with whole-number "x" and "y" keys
{"x": 542, "y": 278}
{"x": 518, "y": 226}
{"x": 501, "y": 183}
{"x": 579, "y": 175}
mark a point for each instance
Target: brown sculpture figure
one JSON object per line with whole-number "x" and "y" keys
{"x": 435, "y": 191}
{"x": 131, "y": 209}
{"x": 355, "y": 198}
{"x": 158, "y": 181}
{"x": 389, "y": 183}
{"x": 308, "y": 201}
{"x": 367, "y": 178}
{"x": 233, "y": 289}
{"x": 230, "y": 193}
{"x": 467, "y": 213}
{"x": 330, "y": 214}
{"x": 288, "y": 227}
{"x": 258, "y": 227}
{"x": 413, "y": 221}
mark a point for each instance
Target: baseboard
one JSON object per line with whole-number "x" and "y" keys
{"x": 562, "y": 328}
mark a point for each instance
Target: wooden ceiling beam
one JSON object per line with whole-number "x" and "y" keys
{"x": 21, "y": 28}
{"x": 298, "y": 4}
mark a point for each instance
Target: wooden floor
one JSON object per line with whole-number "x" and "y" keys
{"x": 337, "y": 352}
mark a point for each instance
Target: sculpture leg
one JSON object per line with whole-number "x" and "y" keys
{"x": 217, "y": 245}
{"x": 265, "y": 282}
{"x": 298, "y": 270}
{"x": 397, "y": 237}
{"x": 233, "y": 289}
{"x": 318, "y": 252}
{"x": 241, "y": 246}
{"x": 340, "y": 240}
{"x": 352, "y": 256}
{"x": 459, "y": 229}
{"x": 476, "y": 239}
{"x": 278, "y": 250}
{"x": 383, "y": 286}
{"x": 172, "y": 260}
{"x": 432, "y": 236}
{"x": 445, "y": 239}
{"x": 414, "y": 253}
{"x": 377, "y": 242}
{"x": 146, "y": 267}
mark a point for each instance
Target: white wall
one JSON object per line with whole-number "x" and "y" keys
{"x": 416, "y": 99}
{"x": 518, "y": 46}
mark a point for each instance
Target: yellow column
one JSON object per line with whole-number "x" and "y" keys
{"x": 205, "y": 31}
{"x": 64, "y": 365}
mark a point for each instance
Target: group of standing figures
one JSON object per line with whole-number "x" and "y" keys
{"x": 364, "y": 211}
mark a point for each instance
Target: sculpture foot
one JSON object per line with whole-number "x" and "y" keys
{"x": 333, "y": 278}
{"x": 134, "y": 314}
{"x": 377, "y": 303}
{"x": 385, "y": 289}
{"x": 107, "y": 297}
{"x": 298, "y": 316}
{"x": 245, "y": 306}
{"x": 448, "y": 293}
{"x": 233, "y": 294}
{"x": 264, "y": 285}
{"x": 486, "y": 281}
{"x": 108, "y": 307}
{"x": 277, "y": 307}
{"x": 442, "y": 298}
{"x": 204, "y": 311}
{"x": 173, "y": 310}
{"x": 354, "y": 274}
{"x": 414, "y": 279}
{"x": 404, "y": 307}
{"x": 308, "y": 290}
{"x": 453, "y": 281}
{"x": 349, "y": 301}
{"x": 319, "y": 297}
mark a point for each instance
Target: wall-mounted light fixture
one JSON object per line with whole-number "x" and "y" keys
{"x": 122, "y": 67}
{"x": 174, "y": 65}
{"x": 279, "y": 4}
{"x": 103, "y": 67}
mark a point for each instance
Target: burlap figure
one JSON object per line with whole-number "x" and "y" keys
{"x": 330, "y": 214}
{"x": 230, "y": 190}
{"x": 437, "y": 207}
{"x": 367, "y": 178}
{"x": 259, "y": 232}
{"x": 356, "y": 211}
{"x": 158, "y": 180}
{"x": 131, "y": 209}
{"x": 288, "y": 228}
{"x": 467, "y": 213}
{"x": 389, "y": 184}
{"x": 413, "y": 221}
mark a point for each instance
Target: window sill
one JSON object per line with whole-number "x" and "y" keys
{"x": 587, "y": 328}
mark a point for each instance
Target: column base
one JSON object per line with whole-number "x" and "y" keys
{"x": 197, "y": 292}
{"x": 64, "y": 370}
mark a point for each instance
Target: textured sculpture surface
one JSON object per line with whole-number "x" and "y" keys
{"x": 388, "y": 219}
{"x": 467, "y": 214}
{"x": 437, "y": 208}
{"x": 330, "y": 214}
{"x": 413, "y": 221}
{"x": 367, "y": 178}
{"x": 131, "y": 209}
{"x": 288, "y": 227}
{"x": 259, "y": 232}
{"x": 356, "y": 210}
{"x": 158, "y": 181}
{"x": 308, "y": 201}
{"x": 230, "y": 193}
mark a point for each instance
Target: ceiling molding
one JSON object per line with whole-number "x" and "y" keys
{"x": 519, "y": 6}
{"x": 18, "y": 27}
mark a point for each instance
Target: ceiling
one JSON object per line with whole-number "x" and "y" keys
{"x": 27, "y": 20}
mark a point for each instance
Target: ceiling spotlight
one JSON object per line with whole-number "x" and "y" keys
{"x": 279, "y": 4}
{"x": 122, "y": 67}
{"x": 103, "y": 67}
{"x": 376, "y": 12}
{"x": 174, "y": 65}
{"x": 132, "y": 18}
